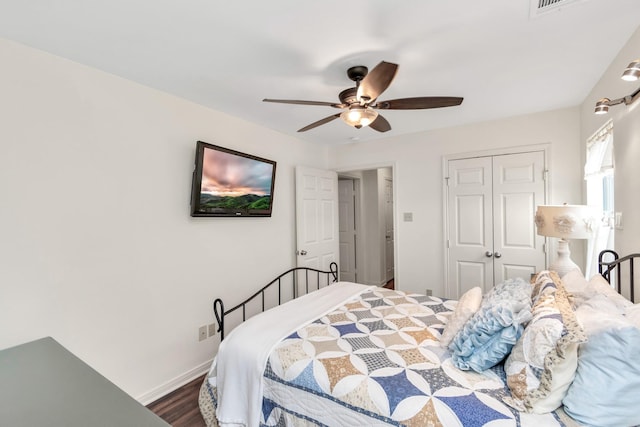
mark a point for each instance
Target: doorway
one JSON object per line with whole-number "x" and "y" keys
{"x": 366, "y": 226}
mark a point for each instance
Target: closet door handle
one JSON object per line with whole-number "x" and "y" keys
{"x": 488, "y": 254}
{"x": 497, "y": 255}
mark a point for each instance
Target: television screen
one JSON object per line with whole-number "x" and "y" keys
{"x": 229, "y": 183}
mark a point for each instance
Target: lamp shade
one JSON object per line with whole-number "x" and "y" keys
{"x": 358, "y": 116}
{"x": 632, "y": 72}
{"x": 565, "y": 221}
{"x": 602, "y": 106}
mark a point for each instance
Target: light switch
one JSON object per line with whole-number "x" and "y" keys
{"x": 618, "y": 220}
{"x": 408, "y": 217}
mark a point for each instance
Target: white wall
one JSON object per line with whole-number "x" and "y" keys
{"x": 418, "y": 179}
{"x": 626, "y": 134}
{"x": 97, "y": 248}
{"x": 372, "y": 232}
{"x": 96, "y": 245}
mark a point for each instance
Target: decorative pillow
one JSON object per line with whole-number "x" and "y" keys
{"x": 605, "y": 389}
{"x": 543, "y": 362}
{"x": 467, "y": 306}
{"x": 542, "y": 284}
{"x": 490, "y": 334}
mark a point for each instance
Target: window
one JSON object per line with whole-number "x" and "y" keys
{"x": 599, "y": 174}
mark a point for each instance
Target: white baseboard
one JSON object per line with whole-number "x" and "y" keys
{"x": 173, "y": 384}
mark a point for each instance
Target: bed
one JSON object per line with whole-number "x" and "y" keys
{"x": 349, "y": 354}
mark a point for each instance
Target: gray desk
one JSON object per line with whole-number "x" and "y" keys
{"x": 42, "y": 384}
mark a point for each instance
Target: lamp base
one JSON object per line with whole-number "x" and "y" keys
{"x": 563, "y": 264}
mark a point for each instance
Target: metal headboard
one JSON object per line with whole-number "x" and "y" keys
{"x": 331, "y": 276}
{"x": 605, "y": 268}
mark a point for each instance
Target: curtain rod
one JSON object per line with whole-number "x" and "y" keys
{"x": 600, "y": 133}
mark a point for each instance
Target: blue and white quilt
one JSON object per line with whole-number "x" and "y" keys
{"x": 376, "y": 361}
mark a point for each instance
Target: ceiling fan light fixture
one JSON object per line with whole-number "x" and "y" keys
{"x": 632, "y": 72}
{"x": 602, "y": 106}
{"x": 358, "y": 116}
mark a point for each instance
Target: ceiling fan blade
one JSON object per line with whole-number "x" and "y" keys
{"x": 419, "y": 103}
{"x": 377, "y": 81}
{"x": 299, "y": 102}
{"x": 319, "y": 122}
{"x": 380, "y": 124}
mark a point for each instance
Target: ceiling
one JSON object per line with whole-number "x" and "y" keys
{"x": 229, "y": 55}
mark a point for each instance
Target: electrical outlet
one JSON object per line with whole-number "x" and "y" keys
{"x": 429, "y": 292}
{"x": 202, "y": 333}
{"x": 212, "y": 329}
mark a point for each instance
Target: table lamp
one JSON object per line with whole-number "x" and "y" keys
{"x": 566, "y": 222}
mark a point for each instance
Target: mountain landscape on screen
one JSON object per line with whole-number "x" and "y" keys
{"x": 211, "y": 202}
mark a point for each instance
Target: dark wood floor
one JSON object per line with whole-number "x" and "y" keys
{"x": 180, "y": 408}
{"x": 390, "y": 284}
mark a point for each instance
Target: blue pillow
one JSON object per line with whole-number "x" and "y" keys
{"x": 492, "y": 332}
{"x": 607, "y": 384}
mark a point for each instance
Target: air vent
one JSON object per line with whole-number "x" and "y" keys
{"x": 540, "y": 7}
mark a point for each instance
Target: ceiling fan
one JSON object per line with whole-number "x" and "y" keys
{"x": 360, "y": 103}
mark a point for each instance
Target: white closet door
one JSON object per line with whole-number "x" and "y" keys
{"x": 491, "y": 203}
{"x": 470, "y": 224}
{"x": 518, "y": 187}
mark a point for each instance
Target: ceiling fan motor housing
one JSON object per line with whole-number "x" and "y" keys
{"x": 348, "y": 96}
{"x": 357, "y": 73}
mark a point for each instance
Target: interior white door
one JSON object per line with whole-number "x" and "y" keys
{"x": 316, "y": 218}
{"x": 347, "y": 229}
{"x": 518, "y": 187}
{"x": 491, "y": 204}
{"x": 388, "y": 228}
{"x": 470, "y": 237}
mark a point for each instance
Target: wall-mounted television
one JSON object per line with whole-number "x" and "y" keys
{"x": 230, "y": 183}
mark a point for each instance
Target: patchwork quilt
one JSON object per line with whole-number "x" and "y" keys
{"x": 376, "y": 361}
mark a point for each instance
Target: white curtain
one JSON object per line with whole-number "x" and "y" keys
{"x": 598, "y": 165}
{"x": 599, "y": 155}
{"x": 601, "y": 240}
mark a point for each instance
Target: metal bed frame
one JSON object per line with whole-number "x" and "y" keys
{"x": 331, "y": 276}
{"x": 605, "y": 268}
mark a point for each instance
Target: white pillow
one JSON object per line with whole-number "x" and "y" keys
{"x": 467, "y": 306}
{"x": 582, "y": 291}
{"x": 598, "y": 284}
{"x": 574, "y": 282}
{"x": 633, "y": 315}
{"x": 601, "y": 302}
{"x": 576, "y": 286}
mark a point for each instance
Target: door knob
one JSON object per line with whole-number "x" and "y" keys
{"x": 302, "y": 252}
{"x": 497, "y": 255}
{"x": 488, "y": 254}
